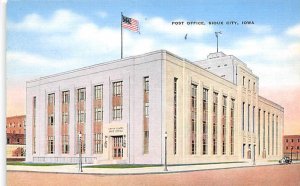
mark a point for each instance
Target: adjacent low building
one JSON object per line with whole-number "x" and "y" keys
{"x": 15, "y": 137}
{"x": 291, "y": 146}
{"x": 120, "y": 112}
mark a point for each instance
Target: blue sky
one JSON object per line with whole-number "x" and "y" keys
{"x": 47, "y": 37}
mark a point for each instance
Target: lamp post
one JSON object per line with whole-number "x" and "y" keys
{"x": 166, "y": 168}
{"x": 80, "y": 155}
{"x": 292, "y": 153}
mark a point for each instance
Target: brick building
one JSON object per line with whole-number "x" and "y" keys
{"x": 15, "y": 136}
{"x": 291, "y": 146}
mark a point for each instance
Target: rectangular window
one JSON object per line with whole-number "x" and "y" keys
{"x": 193, "y": 118}
{"x": 243, "y": 80}
{"x": 65, "y": 144}
{"x": 98, "y": 114}
{"x": 98, "y": 143}
{"x": 248, "y": 117}
{"x": 98, "y": 92}
{"x": 224, "y": 125}
{"x": 146, "y": 115}
{"x": 117, "y": 100}
{"x": 253, "y": 119}
{"x": 50, "y": 144}
{"x": 81, "y": 94}
{"x": 243, "y": 116}
{"x": 258, "y": 127}
{"x": 268, "y": 133}
{"x": 51, "y": 98}
{"x": 175, "y": 115}
{"x": 215, "y": 122}
{"x": 273, "y": 134}
{"x": 277, "y": 135}
{"x": 264, "y": 131}
{"x": 232, "y": 127}
{"x": 205, "y": 120}
{"x": 81, "y": 116}
{"x": 65, "y": 117}
{"x": 65, "y": 97}
{"x": 34, "y": 126}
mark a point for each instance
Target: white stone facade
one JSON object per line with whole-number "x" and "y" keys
{"x": 161, "y": 67}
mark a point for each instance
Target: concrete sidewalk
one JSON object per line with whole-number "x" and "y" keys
{"x": 71, "y": 169}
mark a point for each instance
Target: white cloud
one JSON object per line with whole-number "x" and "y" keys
{"x": 101, "y": 14}
{"x": 260, "y": 29}
{"x": 294, "y": 31}
{"x": 61, "y": 21}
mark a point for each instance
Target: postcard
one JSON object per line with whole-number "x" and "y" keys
{"x": 152, "y": 92}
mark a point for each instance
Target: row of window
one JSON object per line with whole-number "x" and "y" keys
{"x": 292, "y": 140}
{"x": 292, "y": 148}
{"x": 249, "y": 83}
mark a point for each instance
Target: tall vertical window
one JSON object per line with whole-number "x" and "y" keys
{"x": 175, "y": 115}
{"x": 248, "y": 117}
{"x": 232, "y": 127}
{"x": 193, "y": 118}
{"x": 253, "y": 119}
{"x": 65, "y": 122}
{"x": 277, "y": 135}
{"x": 146, "y": 115}
{"x": 258, "y": 128}
{"x": 205, "y": 120}
{"x": 243, "y": 80}
{"x": 249, "y": 84}
{"x": 273, "y": 134}
{"x": 215, "y": 122}
{"x": 51, "y": 116}
{"x": 224, "y": 125}
{"x": 264, "y": 131}
{"x": 98, "y": 120}
{"x": 117, "y": 100}
{"x": 268, "y": 133}
{"x": 81, "y": 119}
{"x": 243, "y": 116}
{"x": 34, "y": 126}
{"x": 50, "y": 144}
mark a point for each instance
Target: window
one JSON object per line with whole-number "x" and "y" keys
{"x": 215, "y": 120}
{"x": 292, "y": 140}
{"x": 205, "y": 120}
{"x": 81, "y": 116}
{"x": 243, "y": 80}
{"x": 50, "y": 145}
{"x": 232, "y": 127}
{"x": 98, "y": 143}
{"x": 51, "y": 99}
{"x": 98, "y": 114}
{"x": 98, "y": 92}
{"x": 65, "y": 144}
{"x": 51, "y": 119}
{"x": 193, "y": 118}
{"x": 254, "y": 86}
{"x": 249, "y": 84}
{"x": 175, "y": 115}
{"x": 146, "y": 84}
{"x": 286, "y": 140}
{"x": 146, "y": 115}
{"x": 248, "y": 117}
{"x": 224, "y": 125}
{"x": 65, "y": 97}
{"x": 258, "y": 128}
{"x": 286, "y": 148}
{"x": 117, "y": 100}
{"x": 117, "y": 88}
{"x": 243, "y": 116}
{"x": 117, "y": 113}
{"x": 146, "y": 111}
{"x": 33, "y": 125}
{"x": 65, "y": 117}
{"x": 81, "y": 94}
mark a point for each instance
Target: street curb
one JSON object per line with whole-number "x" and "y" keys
{"x": 147, "y": 173}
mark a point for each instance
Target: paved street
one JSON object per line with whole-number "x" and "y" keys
{"x": 258, "y": 175}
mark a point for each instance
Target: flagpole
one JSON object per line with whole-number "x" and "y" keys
{"x": 121, "y": 36}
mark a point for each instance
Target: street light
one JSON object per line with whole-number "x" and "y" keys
{"x": 80, "y": 156}
{"x": 292, "y": 153}
{"x": 166, "y": 168}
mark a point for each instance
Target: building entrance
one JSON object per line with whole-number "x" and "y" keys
{"x": 117, "y": 147}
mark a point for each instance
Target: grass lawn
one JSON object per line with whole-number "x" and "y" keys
{"x": 32, "y": 164}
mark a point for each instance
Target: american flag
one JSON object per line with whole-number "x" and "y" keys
{"x": 130, "y": 24}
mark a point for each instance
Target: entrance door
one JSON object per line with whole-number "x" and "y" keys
{"x": 117, "y": 147}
